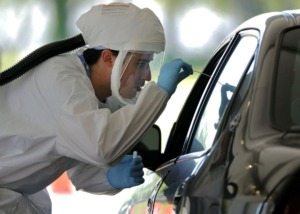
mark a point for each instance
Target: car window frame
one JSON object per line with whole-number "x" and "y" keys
{"x": 180, "y": 129}
{"x": 212, "y": 83}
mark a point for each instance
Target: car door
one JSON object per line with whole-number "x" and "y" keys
{"x": 193, "y": 134}
{"x": 231, "y": 65}
{"x": 142, "y": 199}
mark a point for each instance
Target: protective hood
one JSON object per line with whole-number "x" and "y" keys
{"x": 122, "y": 27}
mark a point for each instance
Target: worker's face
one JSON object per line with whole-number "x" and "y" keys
{"x": 135, "y": 71}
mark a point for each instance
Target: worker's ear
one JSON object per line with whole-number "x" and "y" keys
{"x": 108, "y": 57}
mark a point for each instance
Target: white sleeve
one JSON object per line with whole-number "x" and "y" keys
{"x": 84, "y": 132}
{"x": 91, "y": 179}
{"x": 100, "y": 137}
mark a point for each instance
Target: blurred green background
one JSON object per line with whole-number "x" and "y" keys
{"x": 193, "y": 27}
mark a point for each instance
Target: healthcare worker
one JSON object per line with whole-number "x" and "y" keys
{"x": 82, "y": 113}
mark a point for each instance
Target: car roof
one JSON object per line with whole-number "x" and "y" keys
{"x": 259, "y": 22}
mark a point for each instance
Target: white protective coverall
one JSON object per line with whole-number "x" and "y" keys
{"x": 50, "y": 122}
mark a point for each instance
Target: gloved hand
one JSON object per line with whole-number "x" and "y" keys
{"x": 172, "y": 73}
{"x": 128, "y": 173}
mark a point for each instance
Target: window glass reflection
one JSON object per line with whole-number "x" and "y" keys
{"x": 222, "y": 93}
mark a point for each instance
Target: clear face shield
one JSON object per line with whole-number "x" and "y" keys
{"x": 128, "y": 29}
{"x": 137, "y": 68}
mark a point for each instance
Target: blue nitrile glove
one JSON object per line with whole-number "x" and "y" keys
{"x": 128, "y": 173}
{"x": 172, "y": 73}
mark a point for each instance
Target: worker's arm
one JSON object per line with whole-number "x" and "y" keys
{"x": 98, "y": 180}
{"x": 98, "y": 136}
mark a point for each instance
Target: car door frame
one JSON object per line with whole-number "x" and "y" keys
{"x": 221, "y": 58}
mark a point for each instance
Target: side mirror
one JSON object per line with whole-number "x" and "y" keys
{"x": 149, "y": 147}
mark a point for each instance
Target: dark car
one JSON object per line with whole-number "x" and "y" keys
{"x": 235, "y": 147}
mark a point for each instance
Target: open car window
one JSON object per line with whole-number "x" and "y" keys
{"x": 220, "y": 93}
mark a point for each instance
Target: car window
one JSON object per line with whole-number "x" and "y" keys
{"x": 221, "y": 93}
{"x": 286, "y": 114}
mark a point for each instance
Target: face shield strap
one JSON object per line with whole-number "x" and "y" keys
{"x": 100, "y": 48}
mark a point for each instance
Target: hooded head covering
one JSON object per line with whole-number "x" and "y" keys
{"x": 122, "y": 27}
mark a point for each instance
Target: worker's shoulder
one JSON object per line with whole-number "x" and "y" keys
{"x": 63, "y": 74}
{"x": 60, "y": 65}
{"x": 58, "y": 69}
{"x": 62, "y": 62}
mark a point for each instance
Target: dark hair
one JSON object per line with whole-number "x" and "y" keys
{"x": 91, "y": 55}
